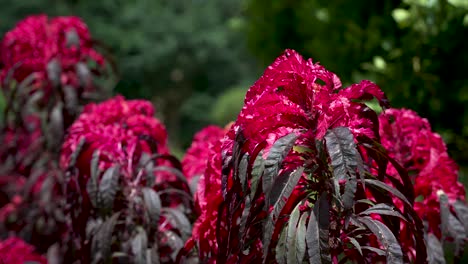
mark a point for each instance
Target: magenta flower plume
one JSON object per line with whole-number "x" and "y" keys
{"x": 120, "y": 129}
{"x": 410, "y": 140}
{"x": 37, "y": 40}
{"x": 15, "y": 251}
{"x": 293, "y": 97}
{"x": 197, "y": 155}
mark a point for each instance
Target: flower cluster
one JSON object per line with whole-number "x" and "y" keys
{"x": 293, "y": 96}
{"x": 194, "y": 161}
{"x": 37, "y": 41}
{"x": 14, "y": 251}
{"x": 410, "y": 140}
{"x": 120, "y": 130}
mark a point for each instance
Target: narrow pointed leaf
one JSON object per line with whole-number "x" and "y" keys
{"x": 278, "y": 207}
{"x": 179, "y": 221}
{"x": 244, "y": 163}
{"x": 92, "y": 184}
{"x": 108, "y": 187}
{"x": 101, "y": 242}
{"x": 342, "y": 151}
{"x": 77, "y": 152}
{"x": 462, "y": 213}
{"x": 313, "y": 240}
{"x": 257, "y": 172}
{"x": 322, "y": 215}
{"x": 278, "y": 152}
{"x": 383, "y": 209}
{"x": 458, "y": 233}
{"x": 281, "y": 246}
{"x": 375, "y": 250}
{"x": 386, "y": 238}
{"x": 139, "y": 245}
{"x": 153, "y": 204}
{"x": 291, "y": 235}
{"x": 435, "y": 250}
{"x": 301, "y": 238}
{"x": 355, "y": 244}
{"x": 386, "y": 187}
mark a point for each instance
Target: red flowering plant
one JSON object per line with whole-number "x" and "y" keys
{"x": 301, "y": 175}
{"x": 127, "y": 197}
{"x": 48, "y": 70}
{"x": 195, "y": 161}
{"x": 14, "y": 251}
{"x": 439, "y": 196}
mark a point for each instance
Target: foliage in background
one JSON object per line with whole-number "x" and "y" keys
{"x": 414, "y": 49}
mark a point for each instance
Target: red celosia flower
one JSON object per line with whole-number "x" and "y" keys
{"x": 293, "y": 95}
{"x": 37, "y": 40}
{"x": 16, "y": 251}
{"x": 196, "y": 157}
{"x": 120, "y": 129}
{"x": 409, "y": 139}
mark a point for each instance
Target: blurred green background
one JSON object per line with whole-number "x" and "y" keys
{"x": 196, "y": 58}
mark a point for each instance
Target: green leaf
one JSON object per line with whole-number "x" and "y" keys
{"x": 278, "y": 207}
{"x": 462, "y": 213}
{"x": 458, "y": 233}
{"x": 383, "y": 209}
{"x": 278, "y": 152}
{"x": 257, "y": 173}
{"x": 355, "y": 244}
{"x": 435, "y": 251}
{"x": 386, "y": 187}
{"x": 101, "y": 242}
{"x": 245, "y": 216}
{"x": 173, "y": 241}
{"x": 244, "y": 163}
{"x": 342, "y": 151}
{"x": 74, "y": 156}
{"x": 92, "y": 184}
{"x": 179, "y": 221}
{"x": 291, "y": 235}
{"x": 146, "y": 164}
{"x": 281, "y": 246}
{"x": 378, "y": 251}
{"x": 313, "y": 240}
{"x": 386, "y": 238}
{"x": 108, "y": 187}
{"x": 139, "y": 245}
{"x": 152, "y": 204}
{"x": 301, "y": 238}
{"x": 349, "y": 193}
{"x": 322, "y": 214}
{"x": 56, "y": 127}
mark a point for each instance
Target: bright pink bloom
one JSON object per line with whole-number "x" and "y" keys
{"x": 410, "y": 140}
{"x": 37, "y": 40}
{"x": 120, "y": 129}
{"x": 196, "y": 157}
{"x": 293, "y": 95}
{"x": 16, "y": 251}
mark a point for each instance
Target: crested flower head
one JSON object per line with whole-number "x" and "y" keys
{"x": 36, "y": 41}
{"x": 410, "y": 140}
{"x": 121, "y": 130}
{"x": 14, "y": 251}
{"x": 196, "y": 157}
{"x": 294, "y": 95}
